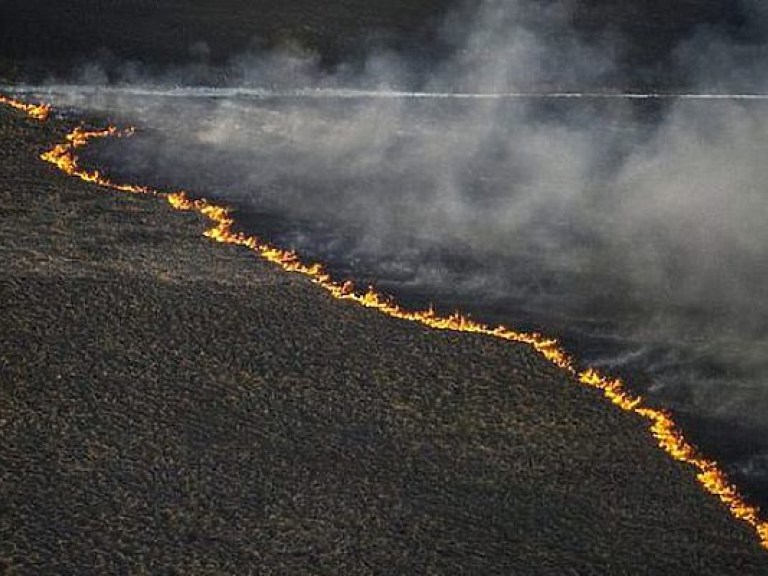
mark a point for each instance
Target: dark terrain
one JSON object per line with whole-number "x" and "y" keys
{"x": 173, "y": 406}
{"x": 41, "y": 37}
{"x": 168, "y": 405}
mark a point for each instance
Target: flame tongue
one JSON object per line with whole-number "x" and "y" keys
{"x": 36, "y": 111}
{"x": 661, "y": 425}
{"x": 63, "y": 157}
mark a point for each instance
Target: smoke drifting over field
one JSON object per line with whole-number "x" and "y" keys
{"x": 637, "y": 230}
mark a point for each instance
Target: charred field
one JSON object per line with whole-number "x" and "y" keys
{"x": 169, "y": 405}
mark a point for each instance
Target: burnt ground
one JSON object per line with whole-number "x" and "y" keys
{"x": 43, "y": 37}
{"x": 169, "y": 405}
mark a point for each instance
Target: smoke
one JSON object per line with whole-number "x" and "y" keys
{"x": 637, "y": 228}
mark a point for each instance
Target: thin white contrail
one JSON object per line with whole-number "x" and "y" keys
{"x": 348, "y": 93}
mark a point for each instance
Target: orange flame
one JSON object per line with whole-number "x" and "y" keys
{"x": 36, "y": 111}
{"x": 660, "y": 423}
{"x": 62, "y": 156}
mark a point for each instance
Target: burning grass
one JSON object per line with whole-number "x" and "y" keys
{"x": 660, "y": 423}
{"x": 36, "y": 111}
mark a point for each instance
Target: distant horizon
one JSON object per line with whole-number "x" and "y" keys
{"x": 207, "y": 91}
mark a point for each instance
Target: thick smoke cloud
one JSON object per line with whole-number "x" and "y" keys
{"x": 641, "y": 226}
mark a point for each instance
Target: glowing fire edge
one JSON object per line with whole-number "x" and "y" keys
{"x": 660, "y": 423}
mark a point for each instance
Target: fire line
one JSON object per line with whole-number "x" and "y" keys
{"x": 660, "y": 422}
{"x": 36, "y": 111}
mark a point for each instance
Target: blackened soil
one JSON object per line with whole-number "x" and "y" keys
{"x": 43, "y": 37}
